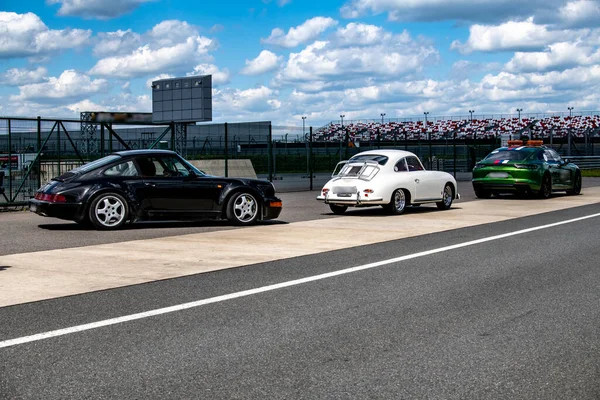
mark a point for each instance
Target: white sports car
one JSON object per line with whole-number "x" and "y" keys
{"x": 392, "y": 179}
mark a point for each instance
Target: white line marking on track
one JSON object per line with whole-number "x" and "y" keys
{"x": 244, "y": 293}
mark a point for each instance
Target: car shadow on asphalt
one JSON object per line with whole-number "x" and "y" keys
{"x": 72, "y": 226}
{"x": 380, "y": 212}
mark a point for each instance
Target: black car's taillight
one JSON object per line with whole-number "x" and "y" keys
{"x": 51, "y": 198}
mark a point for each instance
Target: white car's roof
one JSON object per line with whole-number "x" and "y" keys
{"x": 391, "y": 153}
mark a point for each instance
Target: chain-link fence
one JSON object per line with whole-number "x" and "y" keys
{"x": 32, "y": 151}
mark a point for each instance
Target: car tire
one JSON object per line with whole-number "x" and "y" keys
{"x": 108, "y": 211}
{"x": 482, "y": 193}
{"x": 338, "y": 210}
{"x": 243, "y": 208}
{"x": 576, "y": 186}
{"x": 546, "y": 187}
{"x": 446, "y": 202}
{"x": 398, "y": 202}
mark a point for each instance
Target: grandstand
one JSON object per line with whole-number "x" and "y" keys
{"x": 539, "y": 127}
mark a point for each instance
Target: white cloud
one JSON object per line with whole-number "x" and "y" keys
{"x": 101, "y": 9}
{"x": 258, "y": 99}
{"x": 379, "y": 56}
{"x": 265, "y": 62}
{"x": 510, "y": 36}
{"x": 17, "y": 77}
{"x": 24, "y": 35}
{"x": 219, "y": 77}
{"x": 482, "y": 11}
{"x": 70, "y": 85}
{"x": 572, "y": 14}
{"x": 145, "y": 60}
{"x": 558, "y": 56}
{"x": 171, "y": 32}
{"x": 308, "y": 31}
{"x": 170, "y": 46}
{"x": 117, "y": 43}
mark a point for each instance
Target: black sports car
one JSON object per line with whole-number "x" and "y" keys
{"x": 135, "y": 185}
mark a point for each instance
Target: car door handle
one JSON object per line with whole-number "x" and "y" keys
{"x": 150, "y": 184}
{"x": 417, "y": 181}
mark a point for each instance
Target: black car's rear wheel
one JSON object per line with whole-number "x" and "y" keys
{"x": 446, "y": 202}
{"x": 108, "y": 211}
{"x": 546, "y": 188}
{"x": 338, "y": 210}
{"x": 576, "y": 186}
{"x": 243, "y": 209}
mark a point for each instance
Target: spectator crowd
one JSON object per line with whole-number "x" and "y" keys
{"x": 488, "y": 128}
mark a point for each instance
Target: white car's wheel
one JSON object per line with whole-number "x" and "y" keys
{"x": 398, "y": 202}
{"x": 338, "y": 210}
{"x": 447, "y": 198}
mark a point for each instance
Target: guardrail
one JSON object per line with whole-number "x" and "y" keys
{"x": 585, "y": 162}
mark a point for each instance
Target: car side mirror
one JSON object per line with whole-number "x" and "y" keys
{"x": 565, "y": 161}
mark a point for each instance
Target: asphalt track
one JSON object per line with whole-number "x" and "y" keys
{"x": 513, "y": 316}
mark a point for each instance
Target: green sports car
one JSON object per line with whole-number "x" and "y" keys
{"x": 525, "y": 170}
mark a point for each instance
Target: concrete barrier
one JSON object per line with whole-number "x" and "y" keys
{"x": 239, "y": 168}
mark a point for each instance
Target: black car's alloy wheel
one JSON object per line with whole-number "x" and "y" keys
{"x": 243, "y": 209}
{"x": 108, "y": 211}
{"x": 446, "y": 202}
{"x": 338, "y": 210}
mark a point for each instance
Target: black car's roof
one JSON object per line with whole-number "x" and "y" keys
{"x": 126, "y": 153}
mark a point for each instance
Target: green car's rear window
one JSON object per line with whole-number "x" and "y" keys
{"x": 512, "y": 155}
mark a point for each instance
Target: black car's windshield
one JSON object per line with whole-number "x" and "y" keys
{"x": 196, "y": 170}
{"x": 96, "y": 164}
{"x": 511, "y": 155}
{"x": 381, "y": 160}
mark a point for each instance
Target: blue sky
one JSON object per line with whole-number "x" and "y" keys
{"x": 280, "y": 60}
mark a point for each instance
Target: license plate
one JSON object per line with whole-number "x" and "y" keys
{"x": 497, "y": 175}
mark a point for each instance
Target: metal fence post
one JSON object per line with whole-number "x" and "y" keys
{"x": 310, "y": 169}
{"x": 39, "y": 149}
{"x": 172, "y": 125}
{"x": 58, "y": 146}
{"x": 10, "y": 162}
{"x": 270, "y": 153}
{"x": 454, "y": 148}
{"x": 226, "y": 151}
{"x": 102, "y": 140}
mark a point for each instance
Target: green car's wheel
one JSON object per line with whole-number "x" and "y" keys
{"x": 546, "y": 188}
{"x": 482, "y": 193}
{"x": 576, "y": 186}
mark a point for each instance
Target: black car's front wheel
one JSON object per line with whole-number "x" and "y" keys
{"x": 108, "y": 211}
{"x": 243, "y": 209}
